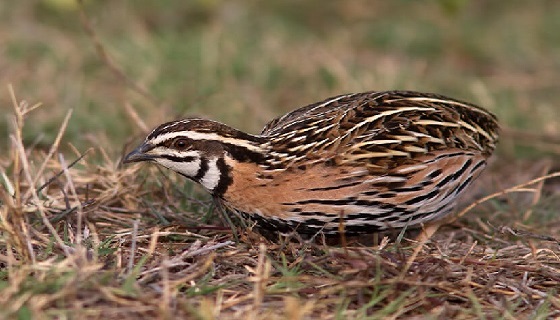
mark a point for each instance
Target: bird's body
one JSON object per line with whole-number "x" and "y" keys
{"x": 367, "y": 162}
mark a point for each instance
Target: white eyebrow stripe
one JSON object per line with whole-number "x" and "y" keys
{"x": 206, "y": 136}
{"x": 174, "y": 153}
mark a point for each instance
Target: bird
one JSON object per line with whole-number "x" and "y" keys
{"x": 353, "y": 163}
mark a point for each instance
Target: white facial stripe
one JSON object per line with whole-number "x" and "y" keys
{"x": 212, "y": 176}
{"x": 206, "y": 136}
{"x": 174, "y": 153}
{"x": 189, "y": 169}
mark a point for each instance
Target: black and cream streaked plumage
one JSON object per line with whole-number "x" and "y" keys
{"x": 369, "y": 161}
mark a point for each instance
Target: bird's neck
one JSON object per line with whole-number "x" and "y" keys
{"x": 237, "y": 149}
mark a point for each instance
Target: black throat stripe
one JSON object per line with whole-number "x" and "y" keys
{"x": 225, "y": 178}
{"x": 202, "y": 170}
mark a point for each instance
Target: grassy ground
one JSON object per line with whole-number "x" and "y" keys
{"x": 92, "y": 239}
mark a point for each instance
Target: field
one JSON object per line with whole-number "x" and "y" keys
{"x": 82, "y": 236}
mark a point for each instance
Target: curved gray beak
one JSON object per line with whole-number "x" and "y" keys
{"x": 139, "y": 154}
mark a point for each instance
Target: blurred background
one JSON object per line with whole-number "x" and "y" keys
{"x": 245, "y": 62}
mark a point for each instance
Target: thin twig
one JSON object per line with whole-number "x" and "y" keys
{"x": 525, "y": 234}
{"x": 52, "y": 150}
{"x": 38, "y": 202}
{"x": 537, "y": 194}
{"x": 76, "y": 199}
{"x": 59, "y": 173}
{"x": 133, "y": 245}
{"x": 104, "y": 56}
{"x": 426, "y": 234}
{"x": 516, "y": 188}
{"x": 135, "y": 117}
{"x": 17, "y": 130}
{"x": 206, "y": 249}
{"x": 165, "y": 306}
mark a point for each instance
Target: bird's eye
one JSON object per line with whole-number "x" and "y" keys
{"x": 180, "y": 144}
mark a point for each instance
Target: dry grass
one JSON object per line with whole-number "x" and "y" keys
{"x": 83, "y": 237}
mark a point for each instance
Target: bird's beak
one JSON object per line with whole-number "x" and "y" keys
{"x": 139, "y": 154}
